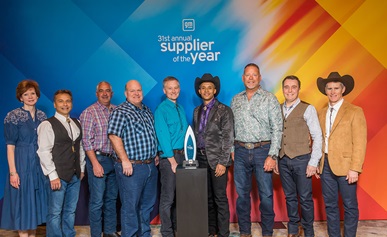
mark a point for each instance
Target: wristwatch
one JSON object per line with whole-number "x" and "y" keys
{"x": 274, "y": 157}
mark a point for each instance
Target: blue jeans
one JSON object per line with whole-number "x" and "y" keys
{"x": 247, "y": 162}
{"x": 331, "y": 186}
{"x": 138, "y": 194}
{"x": 61, "y": 208}
{"x": 103, "y": 197}
{"x": 167, "y": 208}
{"x": 295, "y": 184}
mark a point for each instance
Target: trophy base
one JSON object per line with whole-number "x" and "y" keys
{"x": 190, "y": 164}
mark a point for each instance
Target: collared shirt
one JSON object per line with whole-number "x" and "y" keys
{"x": 170, "y": 125}
{"x": 203, "y": 117}
{"x": 135, "y": 127}
{"x": 94, "y": 120}
{"x": 311, "y": 119}
{"x": 330, "y": 119}
{"x": 258, "y": 119}
{"x": 46, "y": 139}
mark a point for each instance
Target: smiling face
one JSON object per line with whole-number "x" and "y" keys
{"x": 172, "y": 89}
{"x": 207, "y": 91}
{"x": 133, "y": 93}
{"x": 63, "y": 103}
{"x": 104, "y": 93}
{"x": 334, "y": 91}
{"x": 290, "y": 90}
{"x": 251, "y": 78}
{"x": 29, "y": 98}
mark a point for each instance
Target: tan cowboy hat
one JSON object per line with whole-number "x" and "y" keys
{"x": 207, "y": 77}
{"x": 347, "y": 81}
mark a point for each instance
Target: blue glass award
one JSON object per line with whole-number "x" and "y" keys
{"x": 190, "y": 161}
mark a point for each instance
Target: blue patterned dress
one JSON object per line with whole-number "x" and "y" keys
{"x": 24, "y": 208}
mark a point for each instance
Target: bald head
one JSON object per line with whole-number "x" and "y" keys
{"x": 133, "y": 93}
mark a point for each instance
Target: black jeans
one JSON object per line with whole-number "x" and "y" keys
{"x": 218, "y": 210}
{"x": 167, "y": 208}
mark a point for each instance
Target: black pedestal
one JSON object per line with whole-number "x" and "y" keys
{"x": 191, "y": 202}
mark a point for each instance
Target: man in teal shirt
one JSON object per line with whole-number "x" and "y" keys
{"x": 171, "y": 125}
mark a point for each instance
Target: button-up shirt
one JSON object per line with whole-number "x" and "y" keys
{"x": 258, "y": 119}
{"x": 135, "y": 127}
{"x": 330, "y": 119}
{"x": 94, "y": 120}
{"x": 171, "y": 125}
{"x": 46, "y": 139}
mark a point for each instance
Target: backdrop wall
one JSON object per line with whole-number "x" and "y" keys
{"x": 75, "y": 44}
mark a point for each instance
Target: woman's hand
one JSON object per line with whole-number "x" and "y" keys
{"x": 14, "y": 179}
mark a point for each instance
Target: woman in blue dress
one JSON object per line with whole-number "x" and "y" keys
{"x": 25, "y": 199}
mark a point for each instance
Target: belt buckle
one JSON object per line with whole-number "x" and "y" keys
{"x": 249, "y": 145}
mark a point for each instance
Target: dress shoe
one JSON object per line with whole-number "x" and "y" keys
{"x": 246, "y": 235}
{"x": 293, "y": 235}
{"x": 111, "y": 235}
{"x": 266, "y": 235}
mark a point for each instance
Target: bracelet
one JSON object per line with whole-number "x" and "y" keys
{"x": 12, "y": 173}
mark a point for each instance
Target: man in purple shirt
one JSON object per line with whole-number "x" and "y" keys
{"x": 99, "y": 163}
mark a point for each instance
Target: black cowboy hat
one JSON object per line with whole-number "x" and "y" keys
{"x": 347, "y": 81}
{"x": 207, "y": 77}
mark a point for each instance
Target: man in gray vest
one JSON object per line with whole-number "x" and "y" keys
{"x": 298, "y": 160}
{"x": 63, "y": 160}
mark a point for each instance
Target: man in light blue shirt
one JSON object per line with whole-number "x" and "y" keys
{"x": 258, "y": 129}
{"x": 170, "y": 125}
{"x": 298, "y": 159}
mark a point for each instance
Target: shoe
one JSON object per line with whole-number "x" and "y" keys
{"x": 266, "y": 235}
{"x": 111, "y": 235}
{"x": 293, "y": 235}
{"x": 245, "y": 235}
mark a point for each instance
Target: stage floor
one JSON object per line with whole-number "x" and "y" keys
{"x": 365, "y": 229}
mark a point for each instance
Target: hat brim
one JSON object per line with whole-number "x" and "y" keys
{"x": 347, "y": 81}
{"x": 215, "y": 80}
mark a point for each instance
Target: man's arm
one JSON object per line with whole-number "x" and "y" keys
{"x": 227, "y": 127}
{"x": 88, "y": 133}
{"x": 164, "y": 138}
{"x": 311, "y": 119}
{"x": 359, "y": 140}
{"x": 46, "y": 138}
{"x": 118, "y": 146}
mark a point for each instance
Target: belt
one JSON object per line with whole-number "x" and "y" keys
{"x": 176, "y": 151}
{"x": 252, "y": 145}
{"x": 100, "y": 153}
{"x": 201, "y": 151}
{"x": 138, "y": 162}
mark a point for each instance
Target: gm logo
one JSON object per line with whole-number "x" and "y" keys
{"x": 188, "y": 24}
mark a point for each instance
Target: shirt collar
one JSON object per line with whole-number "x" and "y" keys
{"x": 293, "y": 105}
{"x": 337, "y": 106}
{"x": 103, "y": 107}
{"x": 211, "y": 104}
{"x": 60, "y": 117}
{"x": 133, "y": 106}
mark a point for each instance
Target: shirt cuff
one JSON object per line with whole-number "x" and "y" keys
{"x": 53, "y": 175}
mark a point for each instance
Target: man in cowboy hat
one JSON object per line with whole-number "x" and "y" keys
{"x": 214, "y": 131}
{"x": 345, "y": 130}
{"x": 258, "y": 130}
